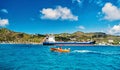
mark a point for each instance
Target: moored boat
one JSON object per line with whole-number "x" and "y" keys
{"x": 50, "y": 40}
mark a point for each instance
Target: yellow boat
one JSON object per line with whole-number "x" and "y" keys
{"x": 59, "y": 50}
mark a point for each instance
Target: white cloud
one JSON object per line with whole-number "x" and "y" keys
{"x": 4, "y": 22}
{"x": 81, "y": 27}
{"x": 97, "y": 2}
{"x": 59, "y": 12}
{"x": 115, "y": 30}
{"x": 111, "y": 12}
{"x": 4, "y": 10}
{"x": 99, "y": 15}
{"x": 78, "y": 1}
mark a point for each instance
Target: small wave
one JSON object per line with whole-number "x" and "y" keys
{"x": 96, "y": 52}
{"x": 83, "y": 51}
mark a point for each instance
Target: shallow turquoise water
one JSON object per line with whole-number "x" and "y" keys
{"x": 38, "y": 57}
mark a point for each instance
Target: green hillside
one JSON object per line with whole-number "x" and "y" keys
{"x": 99, "y": 37}
{"x": 8, "y": 36}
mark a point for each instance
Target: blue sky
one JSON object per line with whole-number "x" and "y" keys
{"x": 58, "y": 16}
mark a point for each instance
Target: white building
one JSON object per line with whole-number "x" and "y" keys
{"x": 110, "y": 41}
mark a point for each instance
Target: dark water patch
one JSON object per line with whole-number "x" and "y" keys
{"x": 68, "y": 68}
{"x": 6, "y": 66}
{"x": 112, "y": 67}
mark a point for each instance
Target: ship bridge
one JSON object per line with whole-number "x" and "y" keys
{"x": 50, "y": 38}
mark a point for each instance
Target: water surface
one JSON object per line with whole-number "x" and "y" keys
{"x": 38, "y": 57}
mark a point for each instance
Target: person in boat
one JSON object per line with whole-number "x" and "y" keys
{"x": 60, "y": 47}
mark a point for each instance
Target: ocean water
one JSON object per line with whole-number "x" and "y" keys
{"x": 38, "y": 57}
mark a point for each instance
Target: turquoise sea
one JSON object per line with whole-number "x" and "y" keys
{"x": 38, "y": 57}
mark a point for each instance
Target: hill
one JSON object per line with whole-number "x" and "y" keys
{"x": 99, "y": 37}
{"x": 8, "y": 36}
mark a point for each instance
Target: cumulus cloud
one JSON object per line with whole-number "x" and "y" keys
{"x": 4, "y": 10}
{"x": 99, "y": 2}
{"x": 4, "y": 22}
{"x": 77, "y": 1}
{"x": 81, "y": 27}
{"x": 115, "y": 30}
{"x": 96, "y": 2}
{"x": 59, "y": 12}
{"x": 111, "y": 12}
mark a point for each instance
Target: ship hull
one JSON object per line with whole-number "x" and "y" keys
{"x": 70, "y": 43}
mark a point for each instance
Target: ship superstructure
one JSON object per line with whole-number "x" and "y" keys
{"x": 50, "y": 40}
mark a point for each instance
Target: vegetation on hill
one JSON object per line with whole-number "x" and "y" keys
{"x": 8, "y": 36}
{"x": 99, "y": 37}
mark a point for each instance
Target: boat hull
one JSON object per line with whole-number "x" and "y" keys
{"x": 69, "y": 43}
{"x": 59, "y": 50}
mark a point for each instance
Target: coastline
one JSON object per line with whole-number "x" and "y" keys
{"x": 96, "y": 45}
{"x": 22, "y": 43}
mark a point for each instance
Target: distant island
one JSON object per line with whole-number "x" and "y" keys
{"x": 8, "y": 36}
